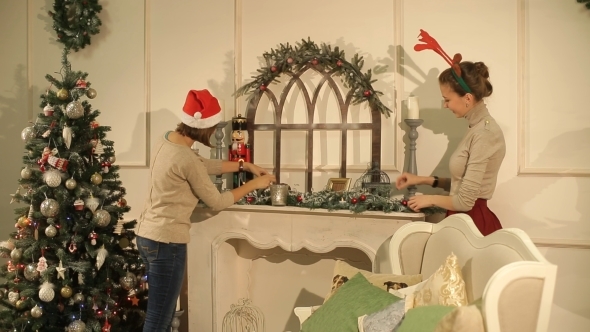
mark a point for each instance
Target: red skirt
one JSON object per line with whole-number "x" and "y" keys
{"x": 485, "y": 220}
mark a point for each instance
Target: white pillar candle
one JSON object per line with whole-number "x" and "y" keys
{"x": 178, "y": 304}
{"x": 413, "y": 108}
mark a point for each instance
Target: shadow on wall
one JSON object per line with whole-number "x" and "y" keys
{"x": 13, "y": 119}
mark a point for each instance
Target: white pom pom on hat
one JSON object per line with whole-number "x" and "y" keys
{"x": 201, "y": 110}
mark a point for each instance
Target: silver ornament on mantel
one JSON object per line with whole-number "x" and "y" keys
{"x": 75, "y": 110}
{"x": 77, "y": 326}
{"x": 51, "y": 231}
{"x": 102, "y": 218}
{"x": 50, "y": 207}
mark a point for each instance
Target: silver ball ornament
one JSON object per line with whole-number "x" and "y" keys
{"x": 50, "y": 207}
{"x": 75, "y": 110}
{"x": 27, "y": 134}
{"x": 26, "y": 173}
{"x": 91, "y": 93}
{"x": 51, "y": 231}
{"x": 31, "y": 273}
{"x": 77, "y": 326}
{"x": 16, "y": 254}
{"x": 112, "y": 159}
{"x": 102, "y": 218}
{"x": 36, "y": 311}
{"x": 78, "y": 298}
{"x": 71, "y": 183}
{"x": 128, "y": 281}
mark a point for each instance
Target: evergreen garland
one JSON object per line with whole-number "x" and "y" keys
{"x": 75, "y": 21}
{"x": 587, "y": 2}
{"x": 356, "y": 201}
{"x": 289, "y": 59}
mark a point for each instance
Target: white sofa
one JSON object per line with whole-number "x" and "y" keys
{"x": 504, "y": 269}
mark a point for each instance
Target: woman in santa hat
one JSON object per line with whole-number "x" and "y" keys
{"x": 179, "y": 179}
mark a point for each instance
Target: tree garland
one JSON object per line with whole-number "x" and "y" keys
{"x": 75, "y": 21}
{"x": 586, "y": 2}
{"x": 289, "y": 59}
{"x": 356, "y": 201}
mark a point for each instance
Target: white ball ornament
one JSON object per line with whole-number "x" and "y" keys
{"x": 46, "y": 292}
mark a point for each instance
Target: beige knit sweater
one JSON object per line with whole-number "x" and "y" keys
{"x": 475, "y": 163}
{"x": 178, "y": 179}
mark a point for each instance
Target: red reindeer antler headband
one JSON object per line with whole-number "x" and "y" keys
{"x": 431, "y": 44}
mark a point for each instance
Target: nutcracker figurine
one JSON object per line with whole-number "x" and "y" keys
{"x": 239, "y": 150}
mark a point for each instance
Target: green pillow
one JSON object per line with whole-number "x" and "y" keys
{"x": 424, "y": 318}
{"x": 340, "y": 313}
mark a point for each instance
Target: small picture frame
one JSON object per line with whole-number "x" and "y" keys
{"x": 338, "y": 184}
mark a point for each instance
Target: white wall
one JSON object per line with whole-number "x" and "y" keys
{"x": 149, "y": 53}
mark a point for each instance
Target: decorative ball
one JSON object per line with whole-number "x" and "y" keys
{"x": 362, "y": 198}
{"x": 77, "y": 326}
{"x": 31, "y": 272}
{"x": 273, "y": 68}
{"x": 78, "y": 298}
{"x": 405, "y": 203}
{"x": 290, "y": 60}
{"x": 250, "y": 199}
{"x": 16, "y": 254}
{"x": 50, "y": 207}
{"x": 299, "y": 199}
{"x": 71, "y": 183}
{"x": 123, "y": 242}
{"x": 20, "y": 304}
{"x": 128, "y": 281}
{"x": 354, "y": 200}
{"x": 314, "y": 62}
{"x": 122, "y": 202}
{"x": 91, "y": 93}
{"x": 26, "y": 173}
{"x": 62, "y": 93}
{"x": 27, "y": 134}
{"x": 52, "y": 177}
{"x": 263, "y": 87}
{"x": 102, "y": 218}
{"x": 96, "y": 178}
{"x": 339, "y": 63}
{"x": 112, "y": 159}
{"x": 367, "y": 93}
{"x": 75, "y": 110}
{"x": 51, "y": 231}
{"x": 23, "y": 222}
{"x": 36, "y": 312}
{"x": 66, "y": 292}
{"x": 13, "y": 297}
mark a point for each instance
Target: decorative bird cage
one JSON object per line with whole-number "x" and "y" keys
{"x": 374, "y": 181}
{"x": 243, "y": 317}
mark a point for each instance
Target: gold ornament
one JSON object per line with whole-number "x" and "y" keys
{"x": 96, "y": 178}
{"x": 66, "y": 291}
{"x": 62, "y": 94}
{"x": 91, "y": 93}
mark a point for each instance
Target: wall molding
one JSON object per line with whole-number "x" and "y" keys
{"x": 561, "y": 243}
{"x": 523, "y": 112}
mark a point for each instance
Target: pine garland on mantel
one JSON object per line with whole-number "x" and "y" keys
{"x": 356, "y": 201}
{"x": 291, "y": 59}
{"x": 586, "y": 2}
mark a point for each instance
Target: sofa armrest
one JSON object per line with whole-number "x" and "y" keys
{"x": 303, "y": 313}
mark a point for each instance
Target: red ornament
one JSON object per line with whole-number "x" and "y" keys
{"x": 299, "y": 199}
{"x": 354, "y": 200}
{"x": 362, "y": 198}
{"x": 273, "y": 68}
{"x": 339, "y": 63}
{"x": 263, "y": 87}
{"x": 94, "y": 124}
{"x": 250, "y": 199}
{"x": 122, "y": 202}
{"x": 405, "y": 203}
{"x": 59, "y": 36}
{"x": 367, "y": 93}
{"x": 290, "y": 60}
{"x": 314, "y": 62}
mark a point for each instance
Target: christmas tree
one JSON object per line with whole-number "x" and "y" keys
{"x": 72, "y": 266}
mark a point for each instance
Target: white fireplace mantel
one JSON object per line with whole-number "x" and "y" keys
{"x": 211, "y": 288}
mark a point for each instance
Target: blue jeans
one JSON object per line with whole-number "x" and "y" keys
{"x": 165, "y": 264}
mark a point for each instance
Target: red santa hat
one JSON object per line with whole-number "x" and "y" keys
{"x": 201, "y": 110}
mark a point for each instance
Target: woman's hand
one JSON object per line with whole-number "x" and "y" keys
{"x": 264, "y": 181}
{"x": 407, "y": 179}
{"x": 418, "y": 202}
{"x": 255, "y": 169}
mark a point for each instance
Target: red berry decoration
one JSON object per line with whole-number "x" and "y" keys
{"x": 263, "y": 87}
{"x": 339, "y": 63}
{"x": 367, "y": 93}
{"x": 405, "y": 203}
{"x": 314, "y": 62}
{"x": 273, "y": 68}
{"x": 299, "y": 199}
{"x": 290, "y": 60}
{"x": 363, "y": 198}
{"x": 353, "y": 200}
{"x": 250, "y": 199}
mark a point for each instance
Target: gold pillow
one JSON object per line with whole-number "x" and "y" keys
{"x": 444, "y": 287}
{"x": 344, "y": 271}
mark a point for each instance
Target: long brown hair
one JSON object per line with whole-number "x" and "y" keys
{"x": 201, "y": 135}
{"x": 475, "y": 74}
